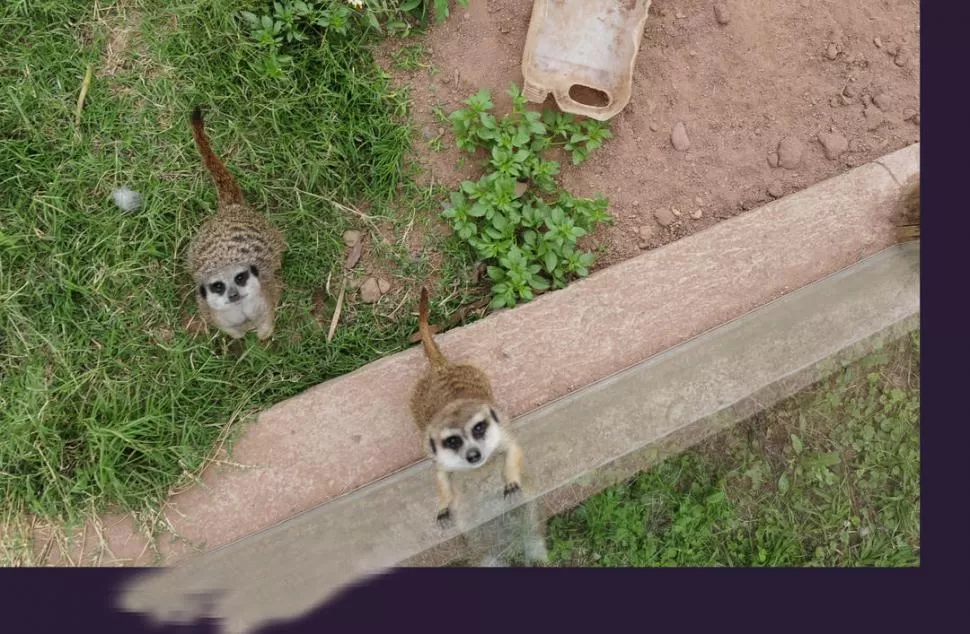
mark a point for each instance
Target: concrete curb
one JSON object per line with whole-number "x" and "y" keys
{"x": 574, "y": 446}
{"x": 353, "y": 430}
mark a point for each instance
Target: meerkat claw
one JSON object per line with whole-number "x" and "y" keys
{"x": 512, "y": 488}
{"x": 444, "y": 519}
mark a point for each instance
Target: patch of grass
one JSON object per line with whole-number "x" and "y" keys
{"x": 830, "y": 477}
{"x": 105, "y": 398}
{"x": 410, "y": 58}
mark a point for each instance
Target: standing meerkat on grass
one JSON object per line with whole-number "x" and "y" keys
{"x": 235, "y": 257}
{"x": 453, "y": 405}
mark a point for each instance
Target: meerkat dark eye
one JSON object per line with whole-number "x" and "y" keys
{"x": 217, "y": 287}
{"x": 254, "y": 270}
{"x": 478, "y": 431}
{"x": 452, "y": 442}
{"x": 202, "y": 290}
{"x": 241, "y": 278}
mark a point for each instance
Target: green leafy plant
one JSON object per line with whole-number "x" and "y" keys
{"x": 515, "y": 217}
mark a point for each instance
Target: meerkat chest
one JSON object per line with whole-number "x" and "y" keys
{"x": 249, "y": 309}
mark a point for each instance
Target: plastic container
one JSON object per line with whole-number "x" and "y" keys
{"x": 583, "y": 51}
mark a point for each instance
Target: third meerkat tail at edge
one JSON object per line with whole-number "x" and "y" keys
{"x": 910, "y": 227}
{"x": 229, "y": 190}
{"x": 427, "y": 340}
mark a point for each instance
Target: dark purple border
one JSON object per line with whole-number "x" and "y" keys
{"x": 56, "y": 600}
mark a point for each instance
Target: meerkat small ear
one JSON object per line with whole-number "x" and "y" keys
{"x": 254, "y": 270}
{"x": 434, "y": 449}
{"x": 202, "y": 290}
{"x": 494, "y": 415}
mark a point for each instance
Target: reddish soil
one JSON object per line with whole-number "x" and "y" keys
{"x": 777, "y": 69}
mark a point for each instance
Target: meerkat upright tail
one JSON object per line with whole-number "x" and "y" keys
{"x": 909, "y": 228}
{"x": 229, "y": 190}
{"x": 427, "y": 339}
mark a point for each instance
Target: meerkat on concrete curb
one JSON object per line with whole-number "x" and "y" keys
{"x": 453, "y": 405}
{"x": 235, "y": 257}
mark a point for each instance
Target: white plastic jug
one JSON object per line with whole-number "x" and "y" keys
{"x": 583, "y": 51}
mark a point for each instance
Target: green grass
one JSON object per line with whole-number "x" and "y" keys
{"x": 105, "y": 398}
{"x": 830, "y": 477}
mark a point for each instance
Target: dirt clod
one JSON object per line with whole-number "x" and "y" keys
{"x": 883, "y": 101}
{"x": 644, "y": 235}
{"x": 664, "y": 216}
{"x": 874, "y": 118}
{"x": 776, "y": 189}
{"x": 833, "y": 144}
{"x": 370, "y": 291}
{"x": 721, "y": 13}
{"x": 351, "y": 238}
{"x": 790, "y": 151}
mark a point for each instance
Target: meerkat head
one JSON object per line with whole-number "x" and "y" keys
{"x": 230, "y": 285}
{"x": 464, "y": 434}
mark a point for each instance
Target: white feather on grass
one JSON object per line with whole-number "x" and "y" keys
{"x": 126, "y": 199}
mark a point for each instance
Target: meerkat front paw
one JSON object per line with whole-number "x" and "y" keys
{"x": 512, "y": 489}
{"x": 265, "y": 331}
{"x": 444, "y": 518}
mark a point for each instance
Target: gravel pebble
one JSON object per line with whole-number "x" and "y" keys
{"x": 679, "y": 138}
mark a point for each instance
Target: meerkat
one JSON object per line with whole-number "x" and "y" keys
{"x": 454, "y": 407}
{"x": 908, "y": 229}
{"x": 235, "y": 256}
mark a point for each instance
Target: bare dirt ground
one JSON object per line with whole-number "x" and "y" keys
{"x": 776, "y": 95}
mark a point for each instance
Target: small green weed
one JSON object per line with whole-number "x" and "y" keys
{"x": 515, "y": 217}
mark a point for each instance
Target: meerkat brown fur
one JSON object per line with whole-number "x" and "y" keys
{"x": 453, "y": 405}
{"x": 235, "y": 257}
{"x": 908, "y": 227}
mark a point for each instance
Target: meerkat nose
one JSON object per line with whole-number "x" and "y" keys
{"x": 473, "y": 456}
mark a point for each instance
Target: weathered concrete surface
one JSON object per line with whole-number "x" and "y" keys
{"x": 573, "y": 446}
{"x": 355, "y": 429}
